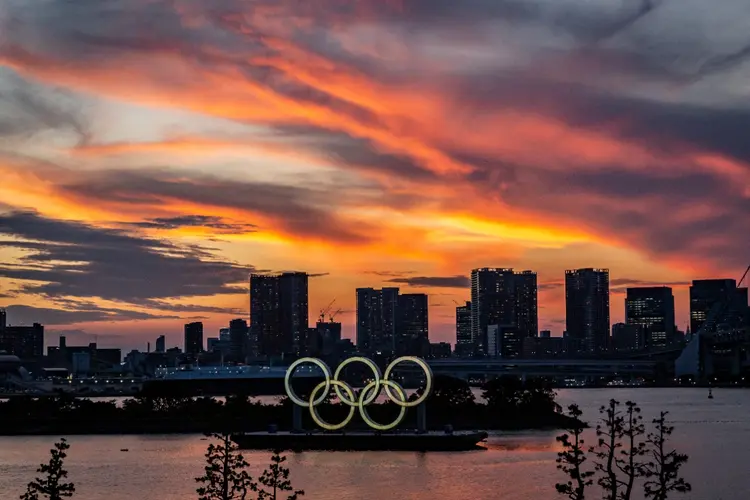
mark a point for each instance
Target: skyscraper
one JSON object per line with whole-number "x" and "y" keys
{"x": 294, "y": 311}
{"x": 279, "y": 313}
{"x": 505, "y": 298}
{"x": 26, "y": 342}
{"x": 587, "y": 308}
{"x": 377, "y": 319}
{"x": 526, "y": 304}
{"x": 651, "y": 308}
{"x": 412, "y": 330}
{"x": 238, "y": 335}
{"x": 729, "y": 302}
{"x": 3, "y": 319}
{"x": 193, "y": 338}
{"x": 628, "y": 337}
{"x": 161, "y": 344}
{"x": 265, "y": 315}
{"x": 464, "y": 345}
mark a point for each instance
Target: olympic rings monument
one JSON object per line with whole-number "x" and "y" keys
{"x": 381, "y": 436}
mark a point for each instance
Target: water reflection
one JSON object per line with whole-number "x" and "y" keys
{"x": 515, "y": 466}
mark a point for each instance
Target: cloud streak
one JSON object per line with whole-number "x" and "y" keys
{"x": 426, "y": 135}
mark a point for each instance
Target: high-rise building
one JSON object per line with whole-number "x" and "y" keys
{"x": 503, "y": 341}
{"x": 527, "y": 315}
{"x": 628, "y": 337}
{"x": 652, "y": 309}
{"x": 719, "y": 302}
{"x": 161, "y": 344}
{"x": 323, "y": 339}
{"x": 238, "y": 336}
{"x": 265, "y": 316}
{"x": 294, "y": 311}
{"x": 413, "y": 325}
{"x": 587, "y": 308}
{"x": 464, "y": 345}
{"x": 279, "y": 313}
{"x": 377, "y": 319}
{"x": 193, "y": 338}
{"x": 26, "y": 342}
{"x": 3, "y": 319}
{"x": 505, "y": 298}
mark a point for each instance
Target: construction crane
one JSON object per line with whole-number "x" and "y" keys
{"x": 327, "y": 310}
{"x": 719, "y": 308}
{"x": 333, "y": 316}
{"x": 690, "y": 362}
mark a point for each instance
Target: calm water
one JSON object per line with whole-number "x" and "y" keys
{"x": 517, "y": 466}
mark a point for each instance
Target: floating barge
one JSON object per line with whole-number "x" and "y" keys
{"x": 361, "y": 441}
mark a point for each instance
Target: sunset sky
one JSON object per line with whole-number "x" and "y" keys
{"x": 155, "y": 152}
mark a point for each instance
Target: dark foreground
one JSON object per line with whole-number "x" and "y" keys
{"x": 510, "y": 405}
{"x": 361, "y": 441}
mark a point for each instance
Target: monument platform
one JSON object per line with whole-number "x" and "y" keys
{"x": 361, "y": 441}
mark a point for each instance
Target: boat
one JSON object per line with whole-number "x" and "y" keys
{"x": 361, "y": 441}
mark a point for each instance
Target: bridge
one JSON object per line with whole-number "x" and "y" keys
{"x": 472, "y": 369}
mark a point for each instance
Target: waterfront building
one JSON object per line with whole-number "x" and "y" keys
{"x": 324, "y": 338}
{"x": 85, "y": 358}
{"x": 723, "y": 295}
{"x": 651, "y": 309}
{"x": 413, "y": 325}
{"x": 505, "y": 298}
{"x": 628, "y": 337}
{"x": 377, "y": 319}
{"x": 544, "y": 346}
{"x": 464, "y": 344}
{"x": 238, "y": 339}
{"x": 503, "y": 341}
{"x": 440, "y": 350}
{"x": 26, "y": 342}
{"x": 161, "y": 344}
{"x": 587, "y": 308}
{"x": 279, "y": 313}
{"x": 193, "y": 338}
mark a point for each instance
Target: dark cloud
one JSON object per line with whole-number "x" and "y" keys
{"x": 621, "y": 285}
{"x": 66, "y": 258}
{"x": 27, "y": 108}
{"x": 390, "y": 274}
{"x": 299, "y": 210}
{"x": 219, "y": 224}
{"x": 543, "y": 287}
{"x": 20, "y": 314}
{"x": 353, "y": 152}
{"x": 433, "y": 281}
{"x": 161, "y": 305}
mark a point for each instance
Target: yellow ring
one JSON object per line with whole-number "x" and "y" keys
{"x": 366, "y": 416}
{"x": 428, "y": 377}
{"x": 375, "y": 370}
{"x": 314, "y": 409}
{"x": 288, "y": 383}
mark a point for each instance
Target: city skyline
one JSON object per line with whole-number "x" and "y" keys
{"x": 147, "y": 173}
{"x": 632, "y": 299}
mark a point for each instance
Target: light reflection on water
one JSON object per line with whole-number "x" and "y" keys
{"x": 516, "y": 466}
